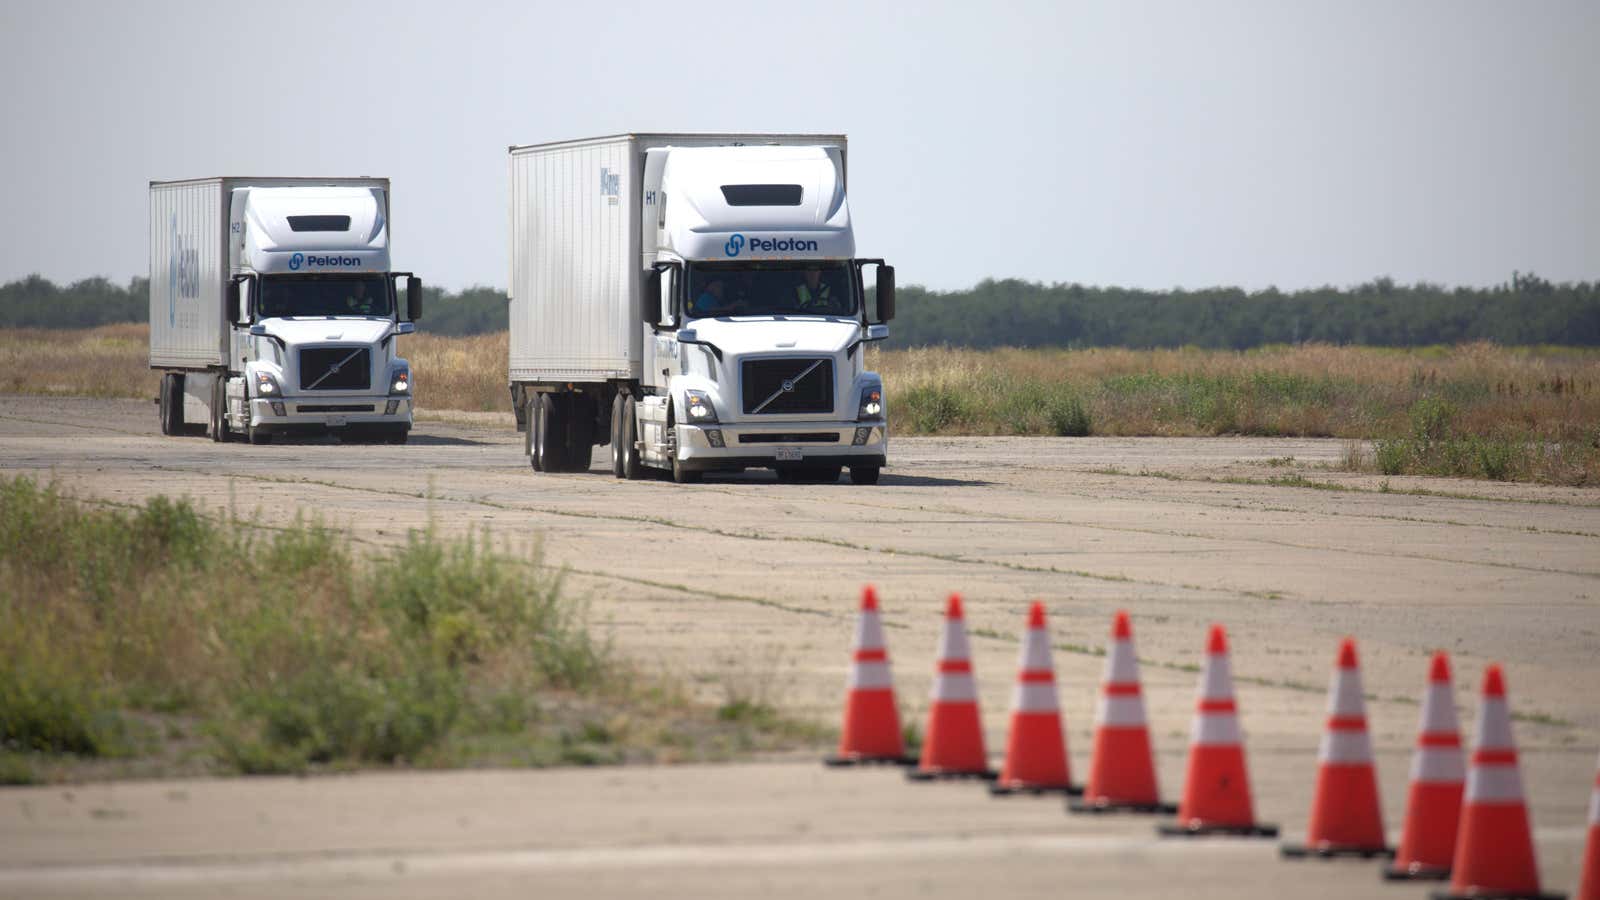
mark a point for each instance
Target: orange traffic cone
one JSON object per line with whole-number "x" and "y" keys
{"x": 953, "y": 746}
{"x": 1438, "y": 775}
{"x": 1036, "y": 749}
{"x": 1346, "y": 817}
{"x": 1589, "y": 886}
{"x": 1494, "y": 856}
{"x": 1216, "y": 790}
{"x": 871, "y": 732}
{"x": 1122, "y": 774}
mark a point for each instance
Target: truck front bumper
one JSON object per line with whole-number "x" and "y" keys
{"x": 711, "y": 448}
{"x": 301, "y": 415}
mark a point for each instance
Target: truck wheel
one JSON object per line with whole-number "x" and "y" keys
{"x": 161, "y": 403}
{"x": 632, "y": 469}
{"x": 550, "y": 444}
{"x": 218, "y": 428}
{"x": 682, "y": 475}
{"x": 581, "y": 410}
{"x": 530, "y": 432}
{"x": 619, "y": 405}
{"x": 172, "y": 404}
{"x": 863, "y": 474}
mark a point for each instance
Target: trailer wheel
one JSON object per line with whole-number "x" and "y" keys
{"x": 218, "y": 428}
{"x": 581, "y": 411}
{"x": 619, "y": 405}
{"x": 530, "y": 431}
{"x": 864, "y": 474}
{"x": 549, "y": 440}
{"x": 632, "y": 469}
{"x": 161, "y": 404}
{"x": 171, "y": 404}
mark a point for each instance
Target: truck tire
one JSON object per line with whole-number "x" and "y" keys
{"x": 581, "y": 412}
{"x": 550, "y": 440}
{"x": 632, "y": 468}
{"x": 864, "y": 474}
{"x": 172, "y": 404}
{"x": 162, "y": 415}
{"x": 619, "y": 405}
{"x": 682, "y": 475}
{"x": 217, "y": 429}
{"x": 530, "y": 431}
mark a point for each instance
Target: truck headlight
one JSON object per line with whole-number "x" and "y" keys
{"x": 267, "y": 385}
{"x": 871, "y": 409}
{"x": 400, "y": 382}
{"x": 698, "y": 408}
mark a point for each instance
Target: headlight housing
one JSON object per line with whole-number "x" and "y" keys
{"x": 871, "y": 408}
{"x": 400, "y": 381}
{"x": 698, "y": 408}
{"x": 267, "y": 385}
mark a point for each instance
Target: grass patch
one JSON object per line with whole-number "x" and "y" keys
{"x": 294, "y": 652}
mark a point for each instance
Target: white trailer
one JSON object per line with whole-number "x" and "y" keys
{"x": 274, "y": 310}
{"x": 694, "y": 302}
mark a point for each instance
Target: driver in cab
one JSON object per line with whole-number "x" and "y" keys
{"x": 358, "y": 302}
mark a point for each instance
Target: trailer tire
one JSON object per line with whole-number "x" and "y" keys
{"x": 530, "y": 433}
{"x": 549, "y": 439}
{"x": 172, "y": 404}
{"x": 632, "y": 468}
{"x": 864, "y": 474}
{"x": 619, "y": 405}
{"x": 161, "y": 404}
{"x": 218, "y": 427}
{"x": 581, "y": 411}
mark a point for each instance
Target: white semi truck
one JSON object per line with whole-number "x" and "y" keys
{"x": 694, "y": 301}
{"x": 273, "y": 309}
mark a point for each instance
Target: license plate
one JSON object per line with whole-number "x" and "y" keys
{"x": 336, "y": 421}
{"x": 789, "y": 454}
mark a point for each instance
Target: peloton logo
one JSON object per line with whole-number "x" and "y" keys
{"x": 737, "y": 243}
{"x": 301, "y": 260}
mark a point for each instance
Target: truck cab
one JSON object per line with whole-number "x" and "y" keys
{"x": 754, "y": 351}
{"x": 695, "y": 302}
{"x": 306, "y": 313}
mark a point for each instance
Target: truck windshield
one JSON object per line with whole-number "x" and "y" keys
{"x": 283, "y": 296}
{"x": 822, "y": 288}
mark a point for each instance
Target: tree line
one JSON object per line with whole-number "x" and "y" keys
{"x": 1008, "y": 312}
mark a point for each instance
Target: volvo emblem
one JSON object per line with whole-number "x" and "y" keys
{"x": 788, "y": 386}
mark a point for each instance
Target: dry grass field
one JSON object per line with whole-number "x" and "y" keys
{"x": 1477, "y": 410}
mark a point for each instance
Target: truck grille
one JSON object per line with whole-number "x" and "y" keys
{"x": 353, "y": 373}
{"x": 786, "y": 385}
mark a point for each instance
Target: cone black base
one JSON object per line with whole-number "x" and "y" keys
{"x": 1265, "y": 831}
{"x": 1006, "y": 790}
{"x": 1415, "y": 873}
{"x": 842, "y": 761}
{"x": 1155, "y": 809}
{"x": 942, "y": 775}
{"x": 1495, "y": 895}
{"x": 1301, "y": 851}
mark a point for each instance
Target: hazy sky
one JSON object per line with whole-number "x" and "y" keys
{"x": 1153, "y": 145}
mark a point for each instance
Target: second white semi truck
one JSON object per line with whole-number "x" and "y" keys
{"x": 274, "y": 311}
{"x": 694, "y": 301}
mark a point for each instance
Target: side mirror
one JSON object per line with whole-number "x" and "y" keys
{"x": 651, "y": 307}
{"x": 405, "y": 328}
{"x": 413, "y": 298}
{"x": 877, "y": 332}
{"x": 688, "y": 336}
{"x": 258, "y": 330}
{"x": 233, "y": 302}
{"x": 885, "y": 293}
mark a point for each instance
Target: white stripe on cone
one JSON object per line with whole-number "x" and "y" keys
{"x": 869, "y": 630}
{"x": 1217, "y": 683}
{"x": 1439, "y": 710}
{"x": 1345, "y": 699}
{"x": 953, "y": 641}
{"x": 1122, "y": 711}
{"x": 1494, "y": 784}
{"x": 1122, "y": 667}
{"x": 1034, "y": 696}
{"x": 1215, "y": 729}
{"x": 1341, "y": 746}
{"x": 1438, "y": 765}
{"x": 870, "y": 675}
{"x": 954, "y": 687}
